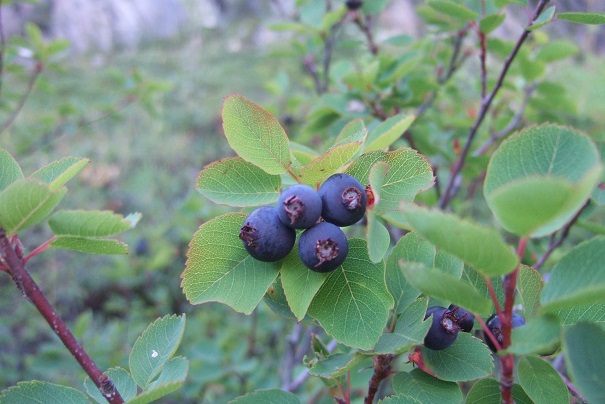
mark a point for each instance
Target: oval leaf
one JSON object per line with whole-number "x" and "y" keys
{"x": 480, "y": 247}
{"x": 436, "y": 283}
{"x": 410, "y": 329}
{"x": 488, "y": 391}
{"x": 172, "y": 377}
{"x": 578, "y": 278}
{"x": 378, "y": 238}
{"x": 300, "y": 284}
{"x": 88, "y": 223}
{"x": 256, "y": 135}
{"x": 155, "y": 347}
{"x": 409, "y": 173}
{"x": 353, "y": 303}
{"x": 219, "y": 268}
{"x": 539, "y": 336}
{"x": 267, "y": 396}
{"x": 10, "y": 171}
{"x": 235, "y": 182}
{"x": 541, "y": 381}
{"x": 583, "y": 18}
{"x": 25, "y": 203}
{"x": 468, "y": 359}
{"x": 425, "y": 388}
{"x": 585, "y": 358}
{"x": 535, "y": 183}
{"x": 90, "y": 245}
{"x": 57, "y": 173}
{"x": 42, "y": 392}
{"x": 387, "y": 132}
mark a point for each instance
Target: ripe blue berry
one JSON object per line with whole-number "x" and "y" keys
{"x": 265, "y": 237}
{"x": 323, "y": 247}
{"x": 466, "y": 320}
{"x": 444, "y": 328}
{"x": 495, "y": 326}
{"x": 299, "y": 207}
{"x": 353, "y": 4}
{"x": 343, "y": 200}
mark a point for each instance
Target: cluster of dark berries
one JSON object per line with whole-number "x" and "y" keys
{"x": 268, "y": 233}
{"x": 353, "y": 4}
{"x": 445, "y": 326}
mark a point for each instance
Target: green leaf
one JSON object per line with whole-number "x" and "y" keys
{"x": 578, "y": 278}
{"x": 544, "y": 18}
{"x": 235, "y": 182}
{"x": 171, "y": 378}
{"x": 439, "y": 284}
{"x": 42, "y": 392}
{"x": 27, "y": 202}
{"x": 220, "y": 269}
{"x": 409, "y": 330}
{"x": 409, "y": 248}
{"x": 478, "y": 281}
{"x": 10, "y": 171}
{"x": 468, "y": 359}
{"x": 409, "y": 173}
{"x": 594, "y": 313}
{"x": 124, "y": 383}
{"x": 378, "y": 174}
{"x": 300, "y": 284}
{"x": 541, "y": 381}
{"x": 399, "y": 399}
{"x": 585, "y": 359}
{"x": 87, "y": 223}
{"x": 336, "y": 365}
{"x": 378, "y": 238}
{"x": 269, "y": 396}
{"x": 529, "y": 284}
{"x": 318, "y": 170}
{"x": 353, "y": 303}
{"x": 534, "y": 184}
{"x": 90, "y": 245}
{"x": 303, "y": 154}
{"x": 491, "y": 22}
{"x": 275, "y": 298}
{"x": 539, "y": 336}
{"x": 480, "y": 247}
{"x": 557, "y": 50}
{"x": 453, "y": 9}
{"x": 155, "y": 347}
{"x": 387, "y": 132}
{"x": 256, "y": 135}
{"x": 354, "y": 131}
{"x": 57, "y": 173}
{"x": 583, "y": 18}
{"x": 426, "y": 388}
{"x": 487, "y": 391}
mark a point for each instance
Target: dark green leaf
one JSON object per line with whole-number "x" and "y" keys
{"x": 585, "y": 358}
{"x": 426, "y": 388}
{"x": 10, "y": 171}
{"x": 541, "y": 381}
{"x": 42, "y": 392}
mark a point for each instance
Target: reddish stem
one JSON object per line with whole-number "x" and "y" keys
{"x": 489, "y": 333}
{"x": 30, "y": 289}
{"x": 507, "y": 362}
{"x": 42, "y": 247}
{"x": 382, "y": 370}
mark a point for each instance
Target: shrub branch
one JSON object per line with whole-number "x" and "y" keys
{"x": 486, "y": 103}
{"x": 26, "y": 284}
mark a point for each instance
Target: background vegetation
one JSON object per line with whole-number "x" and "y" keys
{"x": 149, "y": 119}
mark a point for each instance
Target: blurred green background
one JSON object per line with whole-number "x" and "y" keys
{"x": 148, "y": 117}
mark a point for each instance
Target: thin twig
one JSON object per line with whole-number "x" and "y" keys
{"x": 366, "y": 27}
{"x": 30, "y": 289}
{"x": 573, "y": 389}
{"x": 30, "y": 86}
{"x": 555, "y": 242}
{"x": 486, "y": 103}
{"x": 511, "y": 125}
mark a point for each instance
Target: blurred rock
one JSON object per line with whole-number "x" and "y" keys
{"x": 106, "y": 25}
